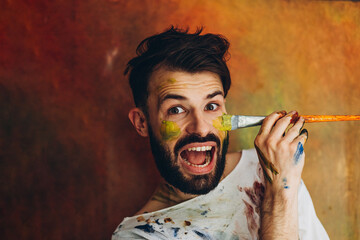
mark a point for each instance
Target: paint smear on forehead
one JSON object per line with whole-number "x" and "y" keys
{"x": 169, "y": 130}
{"x": 171, "y": 80}
{"x": 165, "y": 83}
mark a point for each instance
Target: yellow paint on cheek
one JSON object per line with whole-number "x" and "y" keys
{"x": 169, "y": 130}
{"x": 223, "y": 123}
{"x": 223, "y": 135}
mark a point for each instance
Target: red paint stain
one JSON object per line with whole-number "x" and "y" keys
{"x": 166, "y": 220}
{"x": 256, "y": 193}
{"x": 140, "y": 219}
{"x": 251, "y": 222}
{"x": 294, "y": 118}
{"x": 252, "y": 208}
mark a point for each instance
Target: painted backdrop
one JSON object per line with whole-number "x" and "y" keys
{"x": 71, "y": 165}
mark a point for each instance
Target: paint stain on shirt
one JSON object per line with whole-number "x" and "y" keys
{"x": 146, "y": 228}
{"x": 204, "y": 212}
{"x": 187, "y": 223}
{"x": 256, "y": 193}
{"x": 176, "y": 230}
{"x": 250, "y": 217}
{"x": 202, "y": 235}
{"x": 140, "y": 219}
{"x": 157, "y": 222}
{"x": 167, "y": 220}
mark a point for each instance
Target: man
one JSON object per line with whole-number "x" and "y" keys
{"x": 179, "y": 82}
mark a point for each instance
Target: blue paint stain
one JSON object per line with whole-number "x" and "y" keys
{"x": 298, "y": 153}
{"x": 157, "y": 222}
{"x": 285, "y": 182}
{"x": 202, "y": 235}
{"x": 146, "y": 228}
{"x": 176, "y": 230}
{"x": 204, "y": 212}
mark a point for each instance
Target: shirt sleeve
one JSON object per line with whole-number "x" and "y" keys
{"x": 310, "y": 226}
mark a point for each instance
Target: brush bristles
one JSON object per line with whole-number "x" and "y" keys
{"x": 227, "y": 121}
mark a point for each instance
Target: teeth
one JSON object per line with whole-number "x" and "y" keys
{"x": 200, "y": 149}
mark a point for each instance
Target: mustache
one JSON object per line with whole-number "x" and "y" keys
{"x": 192, "y": 138}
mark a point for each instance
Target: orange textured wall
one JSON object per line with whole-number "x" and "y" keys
{"x": 71, "y": 166}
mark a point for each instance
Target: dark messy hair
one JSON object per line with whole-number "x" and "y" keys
{"x": 177, "y": 50}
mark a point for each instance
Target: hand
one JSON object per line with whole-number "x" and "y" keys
{"x": 281, "y": 152}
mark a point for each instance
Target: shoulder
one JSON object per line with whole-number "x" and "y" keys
{"x": 244, "y": 157}
{"x": 244, "y": 164}
{"x": 232, "y": 160}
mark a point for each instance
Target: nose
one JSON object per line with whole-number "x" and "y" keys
{"x": 198, "y": 124}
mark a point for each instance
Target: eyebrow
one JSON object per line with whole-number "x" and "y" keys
{"x": 211, "y": 95}
{"x": 172, "y": 96}
{"x": 179, "y": 97}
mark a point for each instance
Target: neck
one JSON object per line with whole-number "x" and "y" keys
{"x": 169, "y": 195}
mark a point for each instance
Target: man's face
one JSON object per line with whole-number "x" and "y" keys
{"x": 189, "y": 151}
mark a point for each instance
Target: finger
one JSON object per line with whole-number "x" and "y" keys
{"x": 294, "y": 131}
{"x": 303, "y": 136}
{"x": 266, "y": 171}
{"x": 282, "y": 124}
{"x": 269, "y": 122}
{"x": 268, "y": 167}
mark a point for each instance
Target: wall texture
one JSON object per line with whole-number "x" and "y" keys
{"x": 71, "y": 166}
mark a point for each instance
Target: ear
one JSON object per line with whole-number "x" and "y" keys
{"x": 138, "y": 119}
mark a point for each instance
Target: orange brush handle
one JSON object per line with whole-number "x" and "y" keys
{"x": 330, "y": 118}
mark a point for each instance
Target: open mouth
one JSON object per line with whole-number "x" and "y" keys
{"x": 198, "y": 157}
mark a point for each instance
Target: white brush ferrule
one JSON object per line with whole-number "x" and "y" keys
{"x": 238, "y": 121}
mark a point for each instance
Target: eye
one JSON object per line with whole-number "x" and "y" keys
{"x": 211, "y": 107}
{"x": 175, "y": 110}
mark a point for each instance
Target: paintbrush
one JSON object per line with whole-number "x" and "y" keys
{"x": 232, "y": 122}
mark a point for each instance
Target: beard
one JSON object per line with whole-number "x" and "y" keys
{"x": 170, "y": 170}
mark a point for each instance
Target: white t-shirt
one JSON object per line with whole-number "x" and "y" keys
{"x": 230, "y": 211}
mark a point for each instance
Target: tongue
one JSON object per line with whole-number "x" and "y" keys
{"x": 194, "y": 157}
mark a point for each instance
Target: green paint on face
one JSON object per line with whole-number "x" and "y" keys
{"x": 223, "y": 123}
{"x": 169, "y": 130}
